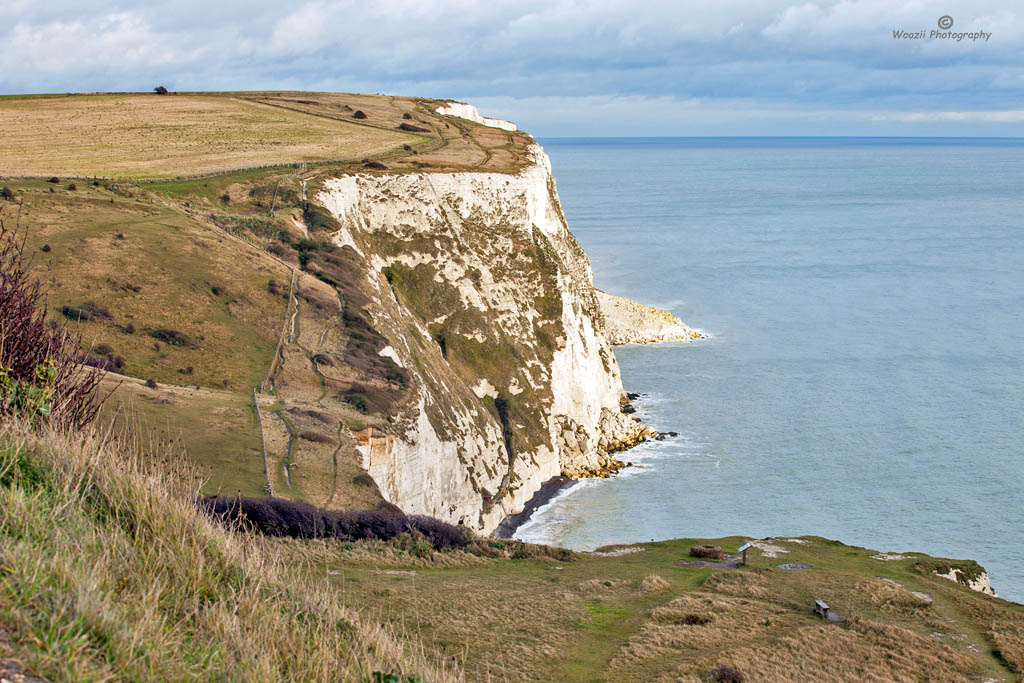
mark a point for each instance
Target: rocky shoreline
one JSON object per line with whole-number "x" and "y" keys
{"x": 620, "y": 432}
{"x": 544, "y": 495}
{"x": 629, "y": 322}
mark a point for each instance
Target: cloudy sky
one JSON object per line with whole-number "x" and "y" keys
{"x": 558, "y": 67}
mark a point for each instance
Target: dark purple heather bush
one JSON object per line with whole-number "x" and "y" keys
{"x": 41, "y": 376}
{"x": 294, "y": 519}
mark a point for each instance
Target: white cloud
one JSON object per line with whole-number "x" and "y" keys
{"x": 1003, "y": 116}
{"x": 799, "y": 55}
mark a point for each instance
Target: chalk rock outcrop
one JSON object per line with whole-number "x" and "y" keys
{"x": 485, "y": 302}
{"x": 627, "y": 322}
{"x": 976, "y": 581}
{"x": 470, "y": 113}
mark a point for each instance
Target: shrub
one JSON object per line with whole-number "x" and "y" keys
{"x": 151, "y": 383}
{"x": 317, "y": 437}
{"x": 226, "y": 198}
{"x": 316, "y": 415}
{"x": 72, "y": 187}
{"x": 40, "y": 376}
{"x": 45, "y": 248}
{"x": 364, "y": 479}
{"x": 279, "y": 250}
{"x": 375, "y": 165}
{"x": 358, "y": 402}
{"x": 407, "y": 148}
{"x": 409, "y": 128}
{"x": 174, "y": 338}
{"x": 85, "y": 312}
{"x": 359, "y": 114}
{"x": 726, "y": 674}
{"x": 95, "y": 361}
{"x": 130, "y": 328}
{"x": 273, "y": 288}
{"x": 406, "y": 115}
{"x": 54, "y": 179}
{"x": 294, "y": 519}
{"x": 323, "y": 359}
{"x": 103, "y": 349}
{"x": 711, "y": 552}
{"x": 7, "y": 193}
{"x": 160, "y": 90}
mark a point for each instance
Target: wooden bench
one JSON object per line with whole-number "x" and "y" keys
{"x": 820, "y": 607}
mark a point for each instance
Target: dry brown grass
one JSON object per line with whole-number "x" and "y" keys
{"x": 1003, "y": 628}
{"x": 889, "y": 597}
{"x": 653, "y": 583}
{"x": 496, "y": 624}
{"x": 750, "y": 584}
{"x": 135, "y": 136}
{"x": 110, "y": 572}
{"x": 865, "y": 651}
{"x": 694, "y": 622}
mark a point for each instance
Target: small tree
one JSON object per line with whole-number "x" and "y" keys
{"x": 40, "y": 374}
{"x": 160, "y": 90}
{"x": 7, "y": 193}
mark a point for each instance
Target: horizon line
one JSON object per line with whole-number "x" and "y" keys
{"x": 779, "y": 137}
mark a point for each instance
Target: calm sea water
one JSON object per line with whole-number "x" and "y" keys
{"x": 864, "y": 381}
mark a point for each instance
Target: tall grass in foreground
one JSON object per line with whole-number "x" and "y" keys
{"x": 107, "y": 571}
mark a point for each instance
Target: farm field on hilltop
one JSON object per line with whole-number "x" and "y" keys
{"x": 135, "y": 136}
{"x": 141, "y": 136}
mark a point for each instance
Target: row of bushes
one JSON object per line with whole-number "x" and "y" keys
{"x": 293, "y": 519}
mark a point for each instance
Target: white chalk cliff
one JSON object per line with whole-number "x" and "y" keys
{"x": 470, "y": 113}
{"x": 487, "y": 302}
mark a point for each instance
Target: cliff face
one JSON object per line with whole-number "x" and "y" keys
{"x": 487, "y": 303}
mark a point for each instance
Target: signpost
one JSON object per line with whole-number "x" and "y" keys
{"x": 743, "y": 549}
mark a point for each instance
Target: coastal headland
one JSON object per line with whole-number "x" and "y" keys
{"x": 374, "y": 304}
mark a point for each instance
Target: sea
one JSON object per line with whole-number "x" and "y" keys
{"x": 863, "y": 377}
